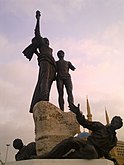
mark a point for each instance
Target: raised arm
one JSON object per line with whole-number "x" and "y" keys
{"x": 81, "y": 118}
{"x": 32, "y": 48}
{"x": 78, "y": 113}
{"x": 37, "y": 28}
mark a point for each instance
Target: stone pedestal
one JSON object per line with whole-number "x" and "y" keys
{"x": 63, "y": 161}
{"x": 52, "y": 125}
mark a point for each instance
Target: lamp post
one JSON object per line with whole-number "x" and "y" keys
{"x": 7, "y": 147}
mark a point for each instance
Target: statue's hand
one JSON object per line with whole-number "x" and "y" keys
{"x": 74, "y": 109}
{"x": 38, "y": 14}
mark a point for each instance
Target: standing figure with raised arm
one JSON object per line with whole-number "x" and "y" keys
{"x": 46, "y": 62}
{"x": 64, "y": 78}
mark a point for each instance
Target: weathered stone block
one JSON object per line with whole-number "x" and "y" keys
{"x": 52, "y": 125}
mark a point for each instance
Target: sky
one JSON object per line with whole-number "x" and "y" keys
{"x": 90, "y": 32}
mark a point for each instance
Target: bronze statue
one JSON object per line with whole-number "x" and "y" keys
{"x": 25, "y": 152}
{"x": 64, "y": 79}
{"x": 99, "y": 143}
{"x": 46, "y": 62}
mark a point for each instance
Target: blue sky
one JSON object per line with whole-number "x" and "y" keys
{"x": 91, "y": 32}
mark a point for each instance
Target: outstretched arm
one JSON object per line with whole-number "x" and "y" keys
{"x": 81, "y": 119}
{"x": 32, "y": 48}
{"x": 37, "y": 28}
{"x": 75, "y": 109}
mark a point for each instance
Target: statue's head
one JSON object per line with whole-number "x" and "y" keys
{"x": 46, "y": 41}
{"x": 60, "y": 54}
{"x": 18, "y": 144}
{"x": 116, "y": 122}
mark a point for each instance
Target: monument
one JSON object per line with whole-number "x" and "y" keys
{"x": 46, "y": 62}
{"x": 55, "y": 129}
{"x": 49, "y": 120}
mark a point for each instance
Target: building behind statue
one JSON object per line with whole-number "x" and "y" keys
{"x": 120, "y": 152}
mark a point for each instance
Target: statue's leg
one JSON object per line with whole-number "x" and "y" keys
{"x": 62, "y": 148}
{"x": 60, "y": 88}
{"x": 52, "y": 76}
{"x": 44, "y": 80}
{"x": 69, "y": 87}
{"x": 85, "y": 151}
{"x": 36, "y": 96}
{"x": 89, "y": 152}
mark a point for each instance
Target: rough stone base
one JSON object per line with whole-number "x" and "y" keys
{"x": 52, "y": 125}
{"x": 63, "y": 161}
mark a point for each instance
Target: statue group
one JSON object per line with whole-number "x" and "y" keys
{"x": 49, "y": 69}
{"x": 102, "y": 138}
